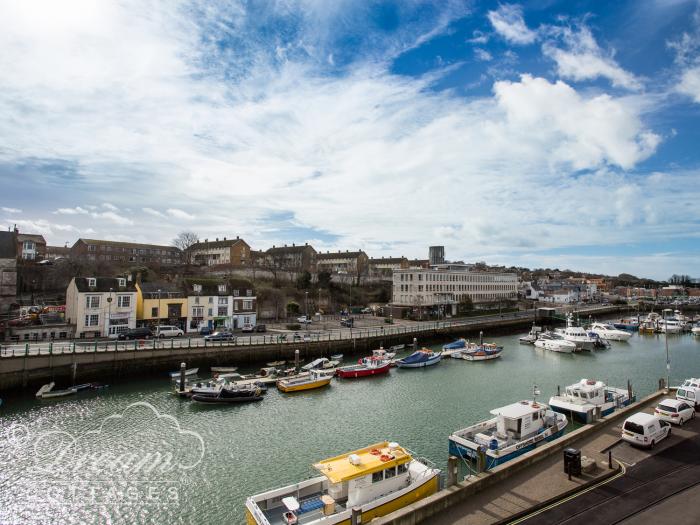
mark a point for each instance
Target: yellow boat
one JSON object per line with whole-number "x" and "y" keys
{"x": 378, "y": 480}
{"x": 306, "y": 381}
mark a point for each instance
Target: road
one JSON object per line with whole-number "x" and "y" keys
{"x": 658, "y": 487}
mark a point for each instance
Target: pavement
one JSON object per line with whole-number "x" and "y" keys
{"x": 650, "y": 482}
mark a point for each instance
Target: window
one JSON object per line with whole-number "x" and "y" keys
{"x": 28, "y": 245}
{"x": 247, "y": 305}
{"x": 211, "y": 300}
{"x": 92, "y": 282}
{"x": 154, "y": 312}
{"x": 92, "y": 319}
{"x": 402, "y": 468}
{"x": 197, "y": 311}
{"x": 92, "y": 301}
{"x": 222, "y": 311}
{"x": 223, "y": 300}
{"x": 197, "y": 288}
{"x": 210, "y": 312}
{"x": 249, "y": 293}
{"x": 123, "y": 301}
{"x": 377, "y": 477}
{"x": 235, "y": 293}
{"x": 92, "y": 248}
{"x": 196, "y": 300}
{"x": 390, "y": 473}
{"x": 222, "y": 288}
{"x": 122, "y": 282}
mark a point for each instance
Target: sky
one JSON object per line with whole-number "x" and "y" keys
{"x": 551, "y": 133}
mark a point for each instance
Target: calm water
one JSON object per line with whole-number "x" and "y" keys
{"x": 219, "y": 455}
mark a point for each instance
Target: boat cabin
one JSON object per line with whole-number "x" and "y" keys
{"x": 586, "y": 391}
{"x": 518, "y": 421}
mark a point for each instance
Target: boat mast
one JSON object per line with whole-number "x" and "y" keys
{"x": 668, "y": 359}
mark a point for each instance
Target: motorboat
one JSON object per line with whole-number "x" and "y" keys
{"x": 532, "y": 335}
{"x": 695, "y": 330}
{"x": 420, "y": 359}
{"x": 47, "y": 391}
{"x": 397, "y": 348}
{"x": 337, "y": 357}
{"x": 309, "y": 381}
{"x": 479, "y": 352}
{"x": 277, "y": 364}
{"x": 554, "y": 343}
{"x": 231, "y": 395}
{"x": 609, "y": 332}
{"x": 377, "y": 480}
{"x": 367, "y": 366}
{"x": 322, "y": 363}
{"x": 576, "y": 334}
{"x": 382, "y": 354}
{"x": 455, "y": 345}
{"x": 669, "y": 326}
{"x": 589, "y": 400}
{"x": 631, "y": 325}
{"x": 516, "y": 429}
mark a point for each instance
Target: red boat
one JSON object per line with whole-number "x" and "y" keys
{"x": 369, "y": 366}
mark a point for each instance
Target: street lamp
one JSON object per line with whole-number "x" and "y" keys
{"x": 306, "y": 307}
{"x": 109, "y": 311}
{"x": 158, "y": 307}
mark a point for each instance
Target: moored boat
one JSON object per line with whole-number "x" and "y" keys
{"x": 576, "y": 334}
{"x": 419, "y": 359}
{"x": 630, "y": 325}
{"x": 322, "y": 363}
{"x": 309, "y": 381}
{"x": 188, "y": 372}
{"x": 337, "y": 357}
{"x": 231, "y": 395}
{"x": 377, "y": 479}
{"x": 47, "y": 392}
{"x": 695, "y": 330}
{"x": 397, "y": 348}
{"x": 609, "y": 332}
{"x": 554, "y": 343}
{"x": 368, "y": 366}
{"x": 456, "y": 345}
{"x": 588, "y": 399}
{"x": 479, "y": 352}
{"x": 532, "y": 335}
{"x": 516, "y": 429}
{"x": 223, "y": 369}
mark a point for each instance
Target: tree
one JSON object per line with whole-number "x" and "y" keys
{"x": 324, "y": 279}
{"x": 184, "y": 241}
{"x": 304, "y": 281}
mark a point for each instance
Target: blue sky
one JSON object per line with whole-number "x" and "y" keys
{"x": 544, "y": 134}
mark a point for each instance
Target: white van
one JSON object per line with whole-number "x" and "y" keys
{"x": 169, "y": 331}
{"x": 690, "y": 391}
{"x": 645, "y": 430}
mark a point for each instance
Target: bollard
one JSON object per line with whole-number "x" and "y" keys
{"x": 481, "y": 338}
{"x": 415, "y": 343}
{"x": 356, "y": 517}
{"x": 183, "y": 367}
{"x": 558, "y": 390}
{"x": 296, "y": 359}
{"x": 452, "y": 470}
{"x": 610, "y": 459}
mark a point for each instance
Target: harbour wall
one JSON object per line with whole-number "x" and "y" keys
{"x": 109, "y": 364}
{"x": 423, "y": 510}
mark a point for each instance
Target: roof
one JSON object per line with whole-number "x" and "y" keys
{"x": 164, "y": 287}
{"x": 518, "y": 410}
{"x": 8, "y": 245}
{"x": 388, "y": 260}
{"x": 128, "y": 244}
{"x": 104, "y": 284}
{"x": 289, "y": 249}
{"x": 585, "y": 385}
{"x": 641, "y": 418}
{"x": 339, "y": 255}
{"x": 339, "y": 468}
{"x": 21, "y": 237}
{"x": 672, "y": 402}
{"x": 211, "y": 286}
{"x": 223, "y": 243}
{"x": 65, "y": 250}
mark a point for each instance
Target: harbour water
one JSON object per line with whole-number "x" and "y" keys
{"x": 224, "y": 453}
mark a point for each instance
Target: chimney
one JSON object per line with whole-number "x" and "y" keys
{"x": 224, "y": 238}
{"x": 236, "y": 237}
{"x": 217, "y": 239}
{"x": 292, "y": 244}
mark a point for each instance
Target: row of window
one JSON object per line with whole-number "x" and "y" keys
{"x": 93, "y": 301}
{"x": 462, "y": 277}
{"x": 197, "y": 288}
{"x": 198, "y": 311}
{"x": 415, "y": 299}
{"x": 139, "y": 251}
{"x": 457, "y": 287}
{"x": 389, "y": 472}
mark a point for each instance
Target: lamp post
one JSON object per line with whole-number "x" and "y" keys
{"x": 668, "y": 358}
{"x": 109, "y": 310}
{"x": 158, "y": 309}
{"x": 306, "y": 308}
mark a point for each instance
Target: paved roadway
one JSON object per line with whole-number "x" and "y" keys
{"x": 658, "y": 487}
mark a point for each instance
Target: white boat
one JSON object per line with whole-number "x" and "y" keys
{"x": 516, "y": 429}
{"x": 669, "y": 326}
{"x": 554, "y": 343}
{"x": 609, "y": 332}
{"x": 378, "y": 480}
{"x": 337, "y": 357}
{"x": 478, "y": 352}
{"x": 576, "y": 334}
{"x": 532, "y": 335}
{"x": 382, "y": 354}
{"x": 583, "y": 400}
{"x": 322, "y": 363}
{"x": 397, "y": 348}
{"x": 695, "y": 330}
{"x": 47, "y": 392}
{"x": 188, "y": 372}
{"x": 223, "y": 369}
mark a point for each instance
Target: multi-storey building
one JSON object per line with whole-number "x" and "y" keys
{"x": 8, "y": 271}
{"x": 347, "y": 262}
{"x": 290, "y": 258}
{"x": 100, "y": 306}
{"x": 446, "y": 286}
{"x": 384, "y": 267}
{"x": 234, "y": 252}
{"x": 57, "y": 252}
{"x": 31, "y": 247}
{"x": 160, "y": 304}
{"x": 124, "y": 252}
{"x": 216, "y": 304}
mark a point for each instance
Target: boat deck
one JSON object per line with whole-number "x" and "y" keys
{"x": 313, "y": 506}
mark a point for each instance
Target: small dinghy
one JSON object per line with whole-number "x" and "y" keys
{"x": 276, "y": 364}
{"x": 223, "y": 369}
{"x": 397, "y": 348}
{"x": 455, "y": 345}
{"x": 47, "y": 392}
{"x": 231, "y": 395}
{"x": 337, "y": 357}
{"x": 188, "y": 372}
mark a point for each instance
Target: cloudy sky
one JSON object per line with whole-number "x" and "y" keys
{"x": 546, "y": 134}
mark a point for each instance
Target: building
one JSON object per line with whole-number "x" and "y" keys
{"x": 160, "y": 304}
{"x": 290, "y": 258}
{"x": 219, "y": 304}
{"x": 383, "y": 268}
{"x": 234, "y": 252}
{"x": 101, "y": 306}
{"x": 419, "y": 263}
{"x": 8, "y": 271}
{"x": 436, "y": 254}
{"x": 124, "y": 252}
{"x": 442, "y": 288}
{"x": 31, "y": 247}
{"x": 57, "y": 252}
{"x": 347, "y": 262}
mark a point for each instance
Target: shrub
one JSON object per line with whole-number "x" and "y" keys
{"x": 294, "y": 326}
{"x": 389, "y": 320}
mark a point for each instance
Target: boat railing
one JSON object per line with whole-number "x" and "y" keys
{"x": 258, "y": 514}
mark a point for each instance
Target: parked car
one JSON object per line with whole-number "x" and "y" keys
{"x": 347, "y": 322}
{"x": 675, "y": 411}
{"x": 296, "y": 337}
{"x": 205, "y": 330}
{"x": 645, "y": 430}
{"x": 220, "y": 336}
{"x": 303, "y": 319}
{"x": 366, "y": 310}
{"x": 168, "y": 331}
{"x": 260, "y": 328}
{"x": 248, "y": 328}
{"x": 135, "y": 333}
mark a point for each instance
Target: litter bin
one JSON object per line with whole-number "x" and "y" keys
{"x": 572, "y": 461}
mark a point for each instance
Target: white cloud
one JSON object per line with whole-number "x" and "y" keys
{"x": 482, "y": 55}
{"x": 113, "y": 218}
{"x": 10, "y": 210}
{"x": 508, "y": 22}
{"x": 71, "y": 211}
{"x": 109, "y": 206}
{"x": 154, "y": 213}
{"x": 179, "y": 214}
{"x": 582, "y": 59}
{"x": 690, "y": 83}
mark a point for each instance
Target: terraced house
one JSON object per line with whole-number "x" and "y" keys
{"x": 124, "y": 252}
{"x": 233, "y": 252}
{"x": 100, "y": 306}
{"x": 215, "y": 304}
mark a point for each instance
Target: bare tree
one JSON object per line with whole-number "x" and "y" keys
{"x": 184, "y": 241}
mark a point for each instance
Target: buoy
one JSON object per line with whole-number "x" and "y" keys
{"x": 375, "y": 452}
{"x": 385, "y": 457}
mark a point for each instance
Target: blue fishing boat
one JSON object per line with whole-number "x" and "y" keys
{"x": 456, "y": 345}
{"x": 419, "y": 359}
{"x": 631, "y": 325}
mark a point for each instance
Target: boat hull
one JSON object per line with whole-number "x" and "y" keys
{"x": 588, "y": 415}
{"x": 361, "y": 371}
{"x": 304, "y": 386}
{"x": 225, "y": 400}
{"x": 429, "y": 362}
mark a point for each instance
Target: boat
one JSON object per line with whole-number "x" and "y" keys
{"x": 554, "y": 343}
{"x": 695, "y": 330}
{"x": 576, "y": 334}
{"x": 456, "y": 345}
{"x": 532, "y": 335}
{"x": 276, "y": 364}
{"x": 337, "y": 357}
{"x": 380, "y": 353}
{"x": 223, "y": 369}
{"x": 479, "y": 352}
{"x": 188, "y": 372}
{"x": 589, "y": 399}
{"x": 631, "y": 325}
{"x": 397, "y": 348}
{"x": 377, "y": 480}
{"x": 419, "y": 359}
{"x": 669, "y": 326}
{"x": 312, "y": 380}
{"x": 647, "y": 327}
{"x": 609, "y": 332}
{"x": 231, "y": 395}
{"x": 322, "y": 363}
{"x": 367, "y": 366}
{"x": 516, "y": 429}
{"x": 47, "y": 392}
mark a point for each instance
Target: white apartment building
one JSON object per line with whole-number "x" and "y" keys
{"x": 100, "y": 306}
{"x": 448, "y": 285}
{"x": 219, "y": 306}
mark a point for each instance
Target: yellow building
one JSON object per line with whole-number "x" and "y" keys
{"x": 160, "y": 303}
